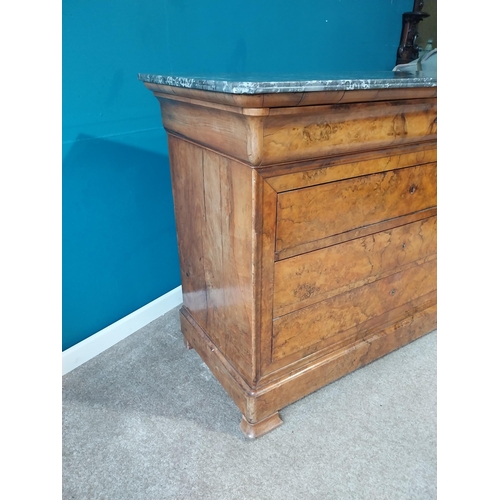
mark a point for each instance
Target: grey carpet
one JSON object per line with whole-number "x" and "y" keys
{"x": 146, "y": 420}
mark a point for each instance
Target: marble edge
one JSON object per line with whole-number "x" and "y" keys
{"x": 268, "y": 87}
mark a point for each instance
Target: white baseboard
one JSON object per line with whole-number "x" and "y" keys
{"x": 109, "y": 336}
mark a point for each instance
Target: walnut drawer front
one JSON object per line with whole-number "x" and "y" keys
{"x": 305, "y": 279}
{"x": 343, "y": 318}
{"x": 310, "y": 214}
{"x": 307, "y": 132}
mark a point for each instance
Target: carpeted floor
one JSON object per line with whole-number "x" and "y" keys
{"x": 146, "y": 420}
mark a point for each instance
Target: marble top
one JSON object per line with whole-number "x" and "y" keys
{"x": 255, "y": 84}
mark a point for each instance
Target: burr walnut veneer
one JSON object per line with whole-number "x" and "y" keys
{"x": 306, "y": 227}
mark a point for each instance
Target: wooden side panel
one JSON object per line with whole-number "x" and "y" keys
{"x": 236, "y": 259}
{"x": 228, "y": 263}
{"x": 186, "y": 168}
{"x": 342, "y": 316}
{"x": 212, "y": 237}
{"x": 309, "y": 278}
{"x": 213, "y": 200}
{"x": 231, "y": 133}
{"x": 317, "y": 212}
{"x": 315, "y": 131}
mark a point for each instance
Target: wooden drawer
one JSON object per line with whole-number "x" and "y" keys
{"x": 310, "y": 214}
{"x": 291, "y": 134}
{"x": 346, "y": 316}
{"x": 315, "y": 276}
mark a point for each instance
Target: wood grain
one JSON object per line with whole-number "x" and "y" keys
{"x": 212, "y": 237}
{"x": 228, "y": 206}
{"x": 311, "y": 376}
{"x": 348, "y": 157}
{"x": 266, "y": 228}
{"x": 312, "y": 277}
{"x": 316, "y": 131}
{"x": 263, "y": 136}
{"x": 345, "y": 313}
{"x": 186, "y": 169}
{"x": 307, "y": 356}
{"x": 337, "y": 171}
{"x": 310, "y": 214}
{"x": 222, "y": 129}
{"x": 311, "y": 246}
{"x": 213, "y": 200}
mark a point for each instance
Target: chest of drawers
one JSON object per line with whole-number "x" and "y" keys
{"x": 306, "y": 225}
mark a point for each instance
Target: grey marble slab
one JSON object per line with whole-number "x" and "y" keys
{"x": 255, "y": 84}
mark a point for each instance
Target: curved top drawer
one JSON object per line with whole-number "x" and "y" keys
{"x": 318, "y": 131}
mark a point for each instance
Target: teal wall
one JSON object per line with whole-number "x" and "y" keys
{"x": 119, "y": 243}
